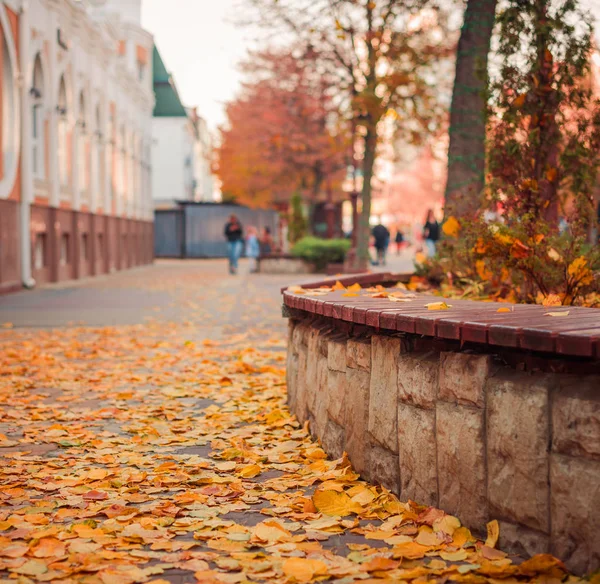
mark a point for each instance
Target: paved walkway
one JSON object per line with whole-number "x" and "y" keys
{"x": 159, "y": 449}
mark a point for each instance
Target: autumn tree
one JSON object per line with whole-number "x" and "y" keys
{"x": 384, "y": 54}
{"x": 466, "y": 152}
{"x": 531, "y": 240}
{"x": 283, "y": 133}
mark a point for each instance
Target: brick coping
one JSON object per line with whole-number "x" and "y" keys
{"x": 525, "y": 327}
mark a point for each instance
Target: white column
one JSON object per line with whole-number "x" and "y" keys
{"x": 26, "y": 165}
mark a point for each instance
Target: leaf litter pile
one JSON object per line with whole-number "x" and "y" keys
{"x": 131, "y": 454}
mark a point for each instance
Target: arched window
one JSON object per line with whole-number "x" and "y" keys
{"x": 63, "y": 138}
{"x": 123, "y": 166}
{"x": 10, "y": 118}
{"x": 97, "y": 159}
{"x": 83, "y": 154}
{"x": 38, "y": 114}
{"x": 110, "y": 157}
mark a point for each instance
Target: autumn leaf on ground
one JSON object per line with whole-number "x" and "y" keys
{"x": 303, "y": 569}
{"x": 338, "y": 286}
{"x": 493, "y": 532}
{"x": 504, "y": 309}
{"x": 349, "y": 294}
{"x": 561, "y": 313}
{"x": 354, "y": 288}
{"x": 335, "y": 504}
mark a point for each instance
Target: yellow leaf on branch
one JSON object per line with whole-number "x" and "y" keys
{"x": 451, "y": 227}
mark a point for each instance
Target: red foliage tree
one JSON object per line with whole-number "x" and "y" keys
{"x": 284, "y": 133}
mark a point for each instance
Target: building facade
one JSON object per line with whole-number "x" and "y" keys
{"x": 76, "y": 135}
{"x": 181, "y": 152}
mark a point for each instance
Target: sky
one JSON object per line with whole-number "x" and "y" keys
{"x": 201, "y": 49}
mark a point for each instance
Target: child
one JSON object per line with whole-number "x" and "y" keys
{"x": 252, "y": 248}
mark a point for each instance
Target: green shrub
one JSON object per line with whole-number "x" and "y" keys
{"x": 298, "y": 224}
{"x": 321, "y": 251}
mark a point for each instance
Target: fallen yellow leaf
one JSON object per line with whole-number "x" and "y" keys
{"x": 493, "y": 532}
{"x": 504, "y": 309}
{"x": 304, "y": 569}
{"x": 335, "y": 504}
{"x": 562, "y": 313}
{"x": 437, "y": 306}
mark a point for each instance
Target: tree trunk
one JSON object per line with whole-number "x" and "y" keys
{"x": 466, "y": 153}
{"x": 364, "y": 231}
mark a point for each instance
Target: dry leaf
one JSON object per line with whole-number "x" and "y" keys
{"x": 562, "y": 313}
{"x": 304, "y": 570}
{"x": 438, "y": 306}
{"x": 504, "y": 309}
{"x": 493, "y": 532}
{"x": 335, "y": 504}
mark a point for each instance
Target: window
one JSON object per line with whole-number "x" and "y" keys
{"x": 9, "y": 113}
{"x": 63, "y": 159}
{"x": 37, "y": 122}
{"x": 84, "y": 247}
{"x": 39, "y": 252}
{"x": 64, "y": 249}
{"x": 82, "y": 148}
{"x": 141, "y": 71}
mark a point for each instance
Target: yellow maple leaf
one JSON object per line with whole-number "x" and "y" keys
{"x": 338, "y": 286}
{"x": 304, "y": 569}
{"x": 451, "y": 227}
{"x": 335, "y": 504}
{"x": 356, "y": 287}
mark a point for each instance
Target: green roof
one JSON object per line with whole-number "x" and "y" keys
{"x": 168, "y": 104}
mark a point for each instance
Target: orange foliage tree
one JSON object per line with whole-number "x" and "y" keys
{"x": 284, "y": 133}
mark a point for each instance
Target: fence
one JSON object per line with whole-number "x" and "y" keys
{"x": 195, "y": 230}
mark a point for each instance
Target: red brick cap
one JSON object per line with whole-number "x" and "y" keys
{"x": 525, "y": 327}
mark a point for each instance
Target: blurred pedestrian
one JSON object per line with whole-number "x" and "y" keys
{"x": 381, "y": 235}
{"x": 431, "y": 233}
{"x": 252, "y": 249}
{"x": 399, "y": 240}
{"x": 235, "y": 242}
{"x": 266, "y": 242}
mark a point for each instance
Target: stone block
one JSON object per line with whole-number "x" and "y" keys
{"x": 417, "y": 454}
{"x": 461, "y": 463}
{"x": 319, "y": 399}
{"x": 301, "y": 401}
{"x": 291, "y": 379}
{"x": 357, "y": 418}
{"x": 290, "y": 337}
{"x": 384, "y": 468}
{"x": 418, "y": 379}
{"x": 337, "y": 399}
{"x": 383, "y": 393}
{"x": 516, "y": 539}
{"x": 336, "y": 355}
{"x": 576, "y": 416}
{"x": 517, "y": 448}
{"x": 333, "y": 440}
{"x": 574, "y": 504}
{"x": 312, "y": 366}
{"x": 358, "y": 354}
{"x": 463, "y": 377}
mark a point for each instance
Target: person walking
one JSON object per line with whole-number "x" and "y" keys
{"x": 266, "y": 242}
{"x": 252, "y": 249}
{"x": 431, "y": 233}
{"x": 235, "y": 242}
{"x": 399, "y": 241}
{"x": 381, "y": 235}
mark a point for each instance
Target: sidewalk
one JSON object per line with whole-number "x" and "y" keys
{"x": 160, "y": 449}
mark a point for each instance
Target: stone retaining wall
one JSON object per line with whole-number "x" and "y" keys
{"x": 459, "y": 430}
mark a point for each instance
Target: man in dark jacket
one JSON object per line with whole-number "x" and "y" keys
{"x": 235, "y": 242}
{"x": 381, "y": 235}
